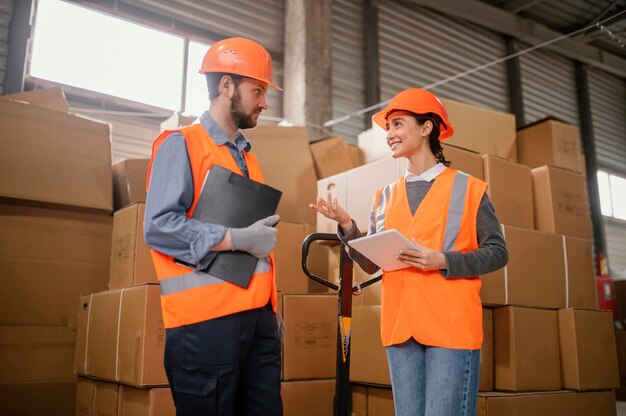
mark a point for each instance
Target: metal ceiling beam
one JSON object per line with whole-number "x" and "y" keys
{"x": 516, "y": 6}
{"x": 527, "y": 31}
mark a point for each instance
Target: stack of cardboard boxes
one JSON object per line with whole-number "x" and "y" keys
{"x": 542, "y": 330}
{"x": 546, "y": 346}
{"x": 55, "y": 242}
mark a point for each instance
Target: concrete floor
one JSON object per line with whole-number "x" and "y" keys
{"x": 621, "y": 408}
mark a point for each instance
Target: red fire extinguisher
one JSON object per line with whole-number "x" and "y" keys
{"x": 605, "y": 286}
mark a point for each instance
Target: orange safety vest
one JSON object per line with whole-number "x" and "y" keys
{"x": 424, "y": 305}
{"x": 188, "y": 297}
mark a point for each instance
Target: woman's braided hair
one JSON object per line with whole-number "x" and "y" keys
{"x": 433, "y": 137}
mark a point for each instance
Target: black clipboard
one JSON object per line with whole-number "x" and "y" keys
{"x": 234, "y": 201}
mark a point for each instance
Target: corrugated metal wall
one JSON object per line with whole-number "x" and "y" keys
{"x": 616, "y": 248}
{"x": 348, "y": 49}
{"x": 608, "y": 112}
{"x": 608, "y": 116}
{"x": 549, "y": 87}
{"x": 419, "y": 47}
{"x": 6, "y": 11}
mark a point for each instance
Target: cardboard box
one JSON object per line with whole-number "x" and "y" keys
{"x": 525, "y": 349}
{"x": 310, "y": 347}
{"x": 106, "y": 399}
{"x": 49, "y": 258}
{"x": 579, "y": 274}
{"x": 485, "y": 379}
{"x": 355, "y": 190}
{"x": 129, "y": 182}
{"x": 330, "y": 157}
{"x": 59, "y": 159}
{"x": 547, "y": 403}
{"x": 50, "y": 98}
{"x": 482, "y": 130}
{"x": 308, "y": 398}
{"x": 534, "y": 275}
{"x": 85, "y": 395}
{"x": 368, "y": 359}
{"x": 146, "y": 402}
{"x": 124, "y": 337}
{"x": 293, "y": 174}
{"x": 141, "y": 344}
{"x": 550, "y": 142}
{"x": 288, "y": 256}
{"x": 36, "y": 353}
{"x": 379, "y": 402}
{"x": 131, "y": 262}
{"x": 358, "y": 400}
{"x": 103, "y": 335}
{"x": 620, "y": 341}
{"x": 464, "y": 160}
{"x": 561, "y": 202}
{"x": 355, "y": 154}
{"x": 80, "y": 358}
{"x": 588, "y": 354}
{"x": 37, "y": 399}
{"x": 511, "y": 191}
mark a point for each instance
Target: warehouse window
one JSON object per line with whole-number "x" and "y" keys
{"x": 197, "y": 97}
{"x": 80, "y": 47}
{"x": 612, "y": 194}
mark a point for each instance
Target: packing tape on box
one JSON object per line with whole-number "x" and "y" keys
{"x": 85, "y": 362}
{"x": 506, "y": 273}
{"x": 566, "y": 273}
{"x": 117, "y": 342}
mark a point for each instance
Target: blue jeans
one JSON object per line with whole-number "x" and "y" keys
{"x": 433, "y": 381}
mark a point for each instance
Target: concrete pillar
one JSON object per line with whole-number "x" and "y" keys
{"x": 307, "y": 99}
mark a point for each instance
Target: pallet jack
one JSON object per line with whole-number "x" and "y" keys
{"x": 345, "y": 289}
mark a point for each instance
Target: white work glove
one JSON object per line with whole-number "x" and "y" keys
{"x": 257, "y": 239}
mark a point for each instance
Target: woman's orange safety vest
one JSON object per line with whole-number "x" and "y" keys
{"x": 187, "y": 296}
{"x": 424, "y": 305}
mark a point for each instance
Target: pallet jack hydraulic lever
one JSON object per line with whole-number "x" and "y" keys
{"x": 345, "y": 289}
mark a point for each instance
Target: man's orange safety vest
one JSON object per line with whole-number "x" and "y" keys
{"x": 424, "y": 305}
{"x": 188, "y": 296}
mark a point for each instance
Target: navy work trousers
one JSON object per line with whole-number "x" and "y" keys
{"x": 226, "y": 366}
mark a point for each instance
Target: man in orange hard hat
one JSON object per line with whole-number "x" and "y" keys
{"x": 222, "y": 347}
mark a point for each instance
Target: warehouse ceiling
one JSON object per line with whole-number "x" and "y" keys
{"x": 567, "y": 16}
{"x": 530, "y": 21}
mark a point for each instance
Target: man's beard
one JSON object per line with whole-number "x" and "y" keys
{"x": 242, "y": 119}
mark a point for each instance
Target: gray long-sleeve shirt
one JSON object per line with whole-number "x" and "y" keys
{"x": 490, "y": 255}
{"x": 170, "y": 195}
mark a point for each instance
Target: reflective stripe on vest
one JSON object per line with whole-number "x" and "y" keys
{"x": 455, "y": 209}
{"x": 198, "y": 279}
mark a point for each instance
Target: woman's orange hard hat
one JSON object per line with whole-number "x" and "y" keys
{"x": 417, "y": 101}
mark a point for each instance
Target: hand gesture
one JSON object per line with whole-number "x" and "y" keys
{"x": 422, "y": 257}
{"x": 331, "y": 209}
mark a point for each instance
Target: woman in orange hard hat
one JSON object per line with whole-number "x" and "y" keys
{"x": 222, "y": 343}
{"x": 431, "y": 315}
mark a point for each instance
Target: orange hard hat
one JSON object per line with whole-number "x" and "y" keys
{"x": 418, "y": 101}
{"x": 239, "y": 56}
